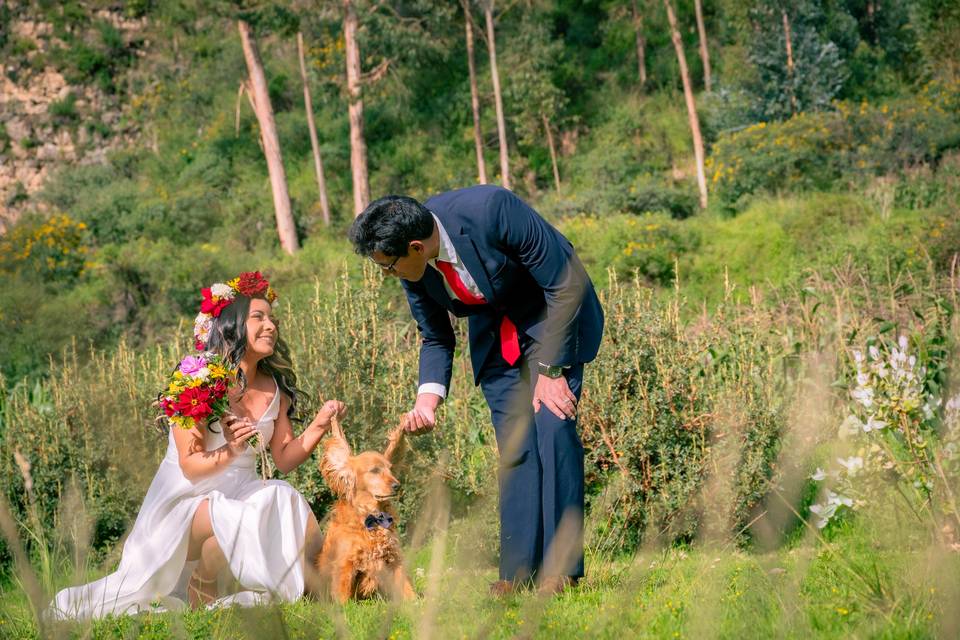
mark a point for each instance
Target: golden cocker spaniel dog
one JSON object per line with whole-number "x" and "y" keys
{"x": 361, "y": 553}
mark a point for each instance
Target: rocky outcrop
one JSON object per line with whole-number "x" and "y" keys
{"x": 45, "y": 122}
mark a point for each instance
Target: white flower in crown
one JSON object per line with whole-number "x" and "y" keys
{"x": 202, "y": 326}
{"x": 222, "y": 291}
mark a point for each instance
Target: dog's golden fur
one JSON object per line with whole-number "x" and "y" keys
{"x": 357, "y": 562}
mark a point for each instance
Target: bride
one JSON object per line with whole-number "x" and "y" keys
{"x": 207, "y": 513}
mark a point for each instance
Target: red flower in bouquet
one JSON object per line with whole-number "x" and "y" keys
{"x": 168, "y": 407}
{"x": 212, "y": 304}
{"x": 196, "y": 392}
{"x": 195, "y": 403}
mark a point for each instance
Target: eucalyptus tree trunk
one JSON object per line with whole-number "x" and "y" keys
{"x": 474, "y": 95}
{"x": 317, "y": 160}
{"x": 787, "y": 37}
{"x": 553, "y": 152}
{"x": 498, "y": 98}
{"x": 358, "y": 146}
{"x": 691, "y": 104}
{"x": 260, "y": 99}
{"x": 704, "y": 52}
{"x": 641, "y": 45}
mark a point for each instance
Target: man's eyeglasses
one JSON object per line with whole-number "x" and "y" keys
{"x": 387, "y": 267}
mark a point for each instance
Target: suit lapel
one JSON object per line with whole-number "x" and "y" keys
{"x": 467, "y": 252}
{"x": 433, "y": 282}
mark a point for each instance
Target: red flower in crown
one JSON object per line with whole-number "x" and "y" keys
{"x": 252, "y": 284}
{"x": 211, "y": 306}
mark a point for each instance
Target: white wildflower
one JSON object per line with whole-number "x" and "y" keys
{"x": 839, "y": 500}
{"x": 853, "y": 464}
{"x": 850, "y": 427}
{"x": 953, "y": 404}
{"x": 863, "y": 395}
{"x": 931, "y": 405}
{"x": 819, "y": 475}
{"x": 823, "y": 512}
{"x": 873, "y": 424}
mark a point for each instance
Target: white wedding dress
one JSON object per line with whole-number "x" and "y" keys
{"x": 260, "y": 525}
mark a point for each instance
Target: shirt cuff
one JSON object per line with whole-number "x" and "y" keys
{"x": 433, "y": 387}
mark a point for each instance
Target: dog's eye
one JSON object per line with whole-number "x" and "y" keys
{"x": 375, "y": 470}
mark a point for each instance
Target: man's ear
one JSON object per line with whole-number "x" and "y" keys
{"x": 416, "y": 246}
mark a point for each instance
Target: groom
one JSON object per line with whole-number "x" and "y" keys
{"x": 534, "y": 320}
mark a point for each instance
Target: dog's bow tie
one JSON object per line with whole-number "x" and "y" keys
{"x": 381, "y": 519}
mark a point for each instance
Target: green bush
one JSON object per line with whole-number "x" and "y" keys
{"x": 659, "y": 400}
{"x": 99, "y": 56}
{"x": 64, "y": 111}
{"x": 647, "y": 245}
{"x": 824, "y": 150}
{"x": 775, "y": 244}
{"x": 54, "y": 248}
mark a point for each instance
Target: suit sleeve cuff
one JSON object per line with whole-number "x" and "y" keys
{"x": 434, "y": 388}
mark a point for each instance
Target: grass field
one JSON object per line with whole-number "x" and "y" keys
{"x": 863, "y": 582}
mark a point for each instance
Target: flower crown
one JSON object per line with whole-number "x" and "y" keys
{"x": 219, "y": 296}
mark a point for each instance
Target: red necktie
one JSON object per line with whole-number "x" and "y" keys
{"x": 509, "y": 341}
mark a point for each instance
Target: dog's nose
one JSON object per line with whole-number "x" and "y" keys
{"x": 395, "y": 486}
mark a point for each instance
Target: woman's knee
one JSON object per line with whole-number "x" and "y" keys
{"x": 201, "y": 529}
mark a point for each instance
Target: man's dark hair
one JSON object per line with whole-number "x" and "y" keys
{"x": 389, "y": 225}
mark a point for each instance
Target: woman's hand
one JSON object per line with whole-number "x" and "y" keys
{"x": 237, "y": 431}
{"x": 331, "y": 409}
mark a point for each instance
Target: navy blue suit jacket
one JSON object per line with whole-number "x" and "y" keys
{"x": 525, "y": 269}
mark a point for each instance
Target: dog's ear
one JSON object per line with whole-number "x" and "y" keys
{"x": 335, "y": 465}
{"x": 395, "y": 446}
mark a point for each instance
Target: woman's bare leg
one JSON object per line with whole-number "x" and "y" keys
{"x": 313, "y": 542}
{"x": 200, "y": 529}
{"x": 204, "y": 547}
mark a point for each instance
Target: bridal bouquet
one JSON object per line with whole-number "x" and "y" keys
{"x": 196, "y": 393}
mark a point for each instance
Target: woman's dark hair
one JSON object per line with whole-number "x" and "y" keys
{"x": 228, "y": 337}
{"x": 389, "y": 225}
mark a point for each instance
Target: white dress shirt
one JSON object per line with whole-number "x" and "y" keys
{"x": 448, "y": 254}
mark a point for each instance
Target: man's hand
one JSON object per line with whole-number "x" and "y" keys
{"x": 423, "y": 416}
{"x": 555, "y": 395}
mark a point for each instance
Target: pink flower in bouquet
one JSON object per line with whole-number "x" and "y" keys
{"x": 192, "y": 365}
